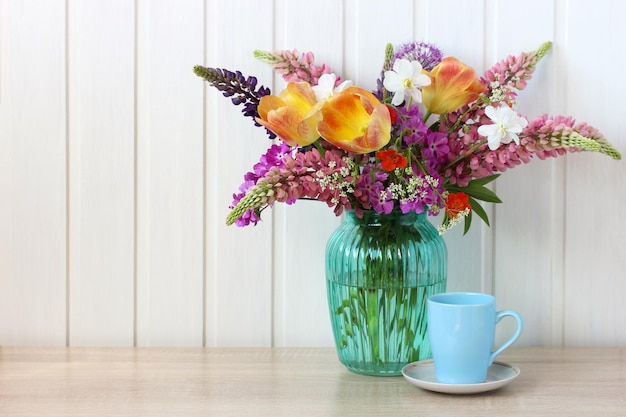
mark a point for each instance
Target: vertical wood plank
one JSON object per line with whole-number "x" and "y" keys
{"x": 445, "y": 25}
{"x": 101, "y": 161}
{"x": 72, "y": 185}
{"x": 302, "y": 230}
{"x": 169, "y": 174}
{"x": 367, "y": 34}
{"x": 455, "y": 26}
{"x": 239, "y": 260}
{"x": 595, "y": 232}
{"x": 527, "y": 233}
{"x": 32, "y": 173}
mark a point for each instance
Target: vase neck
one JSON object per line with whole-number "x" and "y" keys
{"x": 372, "y": 218}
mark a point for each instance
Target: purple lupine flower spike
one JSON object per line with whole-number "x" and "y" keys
{"x": 240, "y": 89}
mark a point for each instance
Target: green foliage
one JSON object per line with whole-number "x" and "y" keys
{"x": 477, "y": 190}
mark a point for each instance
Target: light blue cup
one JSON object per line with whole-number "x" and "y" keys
{"x": 461, "y": 329}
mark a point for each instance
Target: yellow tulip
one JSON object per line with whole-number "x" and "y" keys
{"x": 356, "y": 121}
{"x": 453, "y": 85}
{"x": 293, "y": 115}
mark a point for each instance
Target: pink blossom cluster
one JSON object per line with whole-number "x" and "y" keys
{"x": 544, "y": 137}
{"x": 430, "y": 163}
{"x": 326, "y": 178}
{"x": 303, "y": 175}
{"x": 510, "y": 74}
{"x": 553, "y": 136}
{"x": 295, "y": 67}
{"x": 470, "y": 157}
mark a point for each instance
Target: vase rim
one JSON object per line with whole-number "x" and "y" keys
{"x": 394, "y": 213}
{"x": 373, "y": 218}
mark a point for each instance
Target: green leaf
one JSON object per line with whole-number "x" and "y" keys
{"x": 467, "y": 223}
{"x": 485, "y": 194}
{"x": 477, "y": 191}
{"x": 476, "y": 188}
{"x": 485, "y": 180}
{"x": 479, "y": 210}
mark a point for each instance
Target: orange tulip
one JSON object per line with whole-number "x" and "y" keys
{"x": 293, "y": 115}
{"x": 453, "y": 85}
{"x": 356, "y": 121}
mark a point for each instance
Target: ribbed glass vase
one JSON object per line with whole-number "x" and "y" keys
{"x": 380, "y": 269}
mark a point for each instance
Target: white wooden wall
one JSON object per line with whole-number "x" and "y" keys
{"x": 117, "y": 165}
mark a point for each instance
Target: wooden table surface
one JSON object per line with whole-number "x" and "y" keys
{"x": 290, "y": 382}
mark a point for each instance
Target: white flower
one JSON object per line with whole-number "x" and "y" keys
{"x": 325, "y": 87}
{"x": 507, "y": 124}
{"x": 405, "y": 81}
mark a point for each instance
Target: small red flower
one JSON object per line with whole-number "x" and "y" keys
{"x": 393, "y": 114}
{"x": 390, "y": 159}
{"x": 457, "y": 203}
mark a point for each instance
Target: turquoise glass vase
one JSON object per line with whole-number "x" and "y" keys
{"x": 380, "y": 269}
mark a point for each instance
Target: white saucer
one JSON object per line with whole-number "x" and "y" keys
{"x": 422, "y": 374}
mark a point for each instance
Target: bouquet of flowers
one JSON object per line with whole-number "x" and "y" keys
{"x": 429, "y": 138}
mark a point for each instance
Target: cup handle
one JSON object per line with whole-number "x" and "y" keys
{"x": 520, "y": 325}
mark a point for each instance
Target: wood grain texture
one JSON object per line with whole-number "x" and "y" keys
{"x": 33, "y": 222}
{"x": 170, "y": 167}
{"x": 286, "y": 382}
{"x": 594, "y": 272}
{"x": 301, "y": 230}
{"x": 101, "y": 105}
{"x": 524, "y": 239}
{"x": 239, "y": 260}
{"x": 118, "y": 164}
